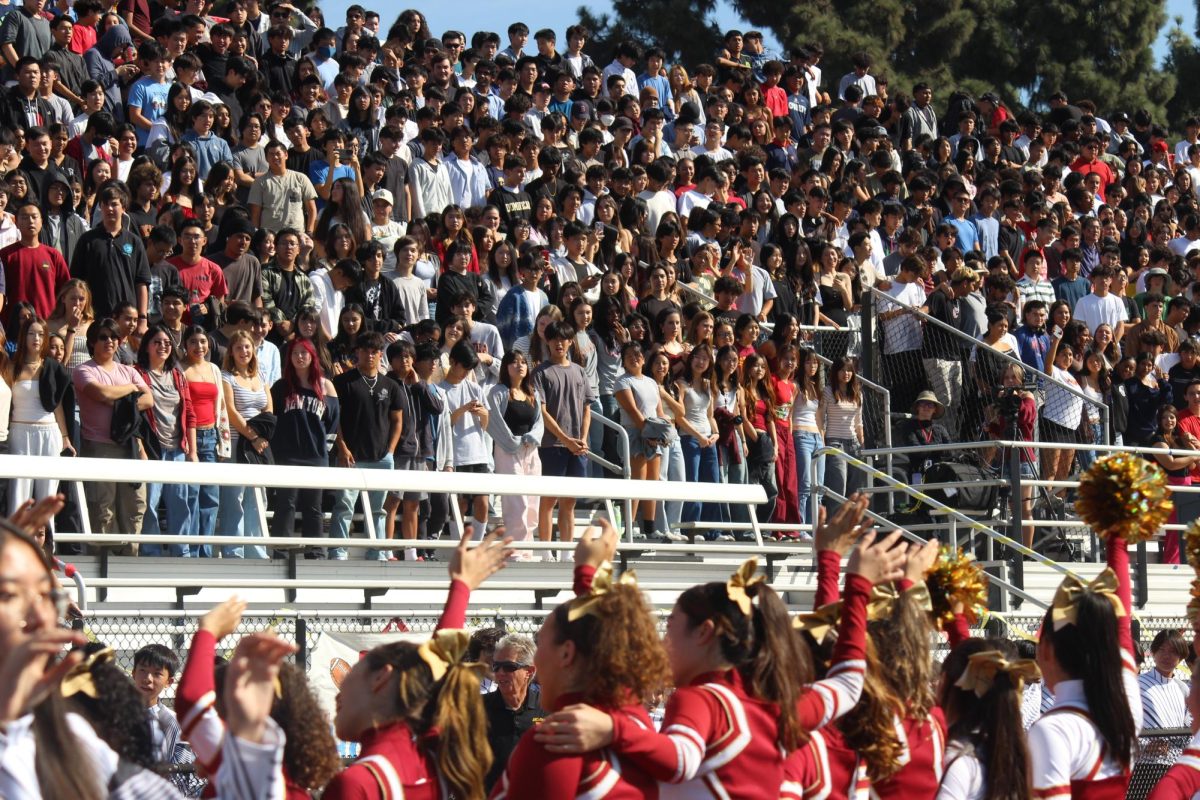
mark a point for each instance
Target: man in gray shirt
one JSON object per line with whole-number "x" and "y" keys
{"x": 566, "y": 410}
{"x": 24, "y": 32}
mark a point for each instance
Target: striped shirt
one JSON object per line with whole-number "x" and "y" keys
{"x": 843, "y": 420}
{"x": 1164, "y": 701}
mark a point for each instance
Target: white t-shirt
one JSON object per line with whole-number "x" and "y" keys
{"x": 903, "y": 332}
{"x": 470, "y": 440}
{"x": 1094, "y": 310}
{"x": 763, "y": 290}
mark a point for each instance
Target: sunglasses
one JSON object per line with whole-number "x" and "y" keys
{"x": 508, "y": 666}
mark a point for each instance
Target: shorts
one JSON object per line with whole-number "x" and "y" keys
{"x": 1053, "y": 432}
{"x": 559, "y": 462}
{"x": 413, "y": 464}
{"x": 473, "y": 469}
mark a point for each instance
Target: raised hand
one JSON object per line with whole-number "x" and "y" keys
{"x": 598, "y": 543}
{"x": 224, "y": 619}
{"x": 474, "y": 565}
{"x": 844, "y": 528}
{"x": 250, "y": 683}
{"x": 878, "y": 560}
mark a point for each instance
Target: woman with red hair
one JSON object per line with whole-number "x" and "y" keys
{"x": 306, "y": 408}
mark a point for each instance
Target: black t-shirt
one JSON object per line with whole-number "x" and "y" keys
{"x": 298, "y": 161}
{"x": 513, "y": 205}
{"x": 940, "y": 343}
{"x": 366, "y": 412}
{"x": 409, "y": 445}
{"x": 1180, "y": 379}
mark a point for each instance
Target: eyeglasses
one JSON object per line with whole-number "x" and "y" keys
{"x": 508, "y": 666}
{"x": 104, "y": 337}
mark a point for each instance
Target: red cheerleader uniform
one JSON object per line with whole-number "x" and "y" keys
{"x": 1069, "y": 756}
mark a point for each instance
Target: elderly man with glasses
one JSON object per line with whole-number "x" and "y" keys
{"x": 516, "y": 705}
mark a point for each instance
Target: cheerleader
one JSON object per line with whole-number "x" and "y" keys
{"x": 420, "y": 684}
{"x": 1083, "y": 746}
{"x": 45, "y": 751}
{"x": 892, "y": 743}
{"x": 600, "y": 648}
{"x": 980, "y": 694}
{"x": 739, "y": 668}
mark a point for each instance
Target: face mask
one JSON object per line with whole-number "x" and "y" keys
{"x": 607, "y": 119}
{"x": 325, "y": 52}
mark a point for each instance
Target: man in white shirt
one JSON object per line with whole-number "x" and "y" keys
{"x": 714, "y": 133}
{"x": 329, "y": 287}
{"x": 904, "y": 372}
{"x": 659, "y": 200}
{"x": 573, "y": 266}
{"x": 860, "y": 77}
{"x": 1100, "y": 306}
{"x": 623, "y": 60}
{"x": 468, "y": 178}
{"x": 701, "y": 196}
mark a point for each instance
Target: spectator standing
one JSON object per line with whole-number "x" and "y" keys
{"x": 207, "y": 398}
{"x": 468, "y": 413}
{"x": 35, "y": 429}
{"x": 562, "y": 388}
{"x": 246, "y": 397}
{"x": 307, "y": 409}
{"x": 33, "y": 272}
{"x": 902, "y": 340}
{"x": 841, "y": 423}
{"x": 282, "y": 198}
{"x": 112, "y": 260}
{"x": 101, "y": 383}
{"x": 173, "y": 421}
{"x": 941, "y": 350}
{"x": 368, "y": 431}
{"x": 698, "y": 431}
{"x": 515, "y": 423}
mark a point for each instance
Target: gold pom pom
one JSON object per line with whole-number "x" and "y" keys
{"x": 1124, "y": 495}
{"x": 1193, "y": 606}
{"x": 953, "y": 579}
{"x": 1191, "y": 545}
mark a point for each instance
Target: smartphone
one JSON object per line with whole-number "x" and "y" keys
{"x": 344, "y": 154}
{"x": 598, "y": 227}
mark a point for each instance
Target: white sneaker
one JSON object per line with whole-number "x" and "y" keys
{"x": 672, "y": 536}
{"x": 725, "y": 537}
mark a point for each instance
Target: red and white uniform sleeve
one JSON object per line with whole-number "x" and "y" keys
{"x": 454, "y": 614}
{"x": 673, "y": 755}
{"x": 583, "y": 575}
{"x": 195, "y": 703}
{"x": 829, "y": 566}
{"x": 1182, "y": 781}
{"x": 838, "y": 692}
{"x": 1118, "y": 561}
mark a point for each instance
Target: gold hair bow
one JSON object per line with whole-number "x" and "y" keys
{"x": 445, "y": 649}
{"x": 819, "y": 623}
{"x": 982, "y": 668}
{"x": 1065, "y": 608}
{"x": 884, "y": 597}
{"x": 602, "y": 584}
{"x": 745, "y": 577}
{"x": 79, "y": 680}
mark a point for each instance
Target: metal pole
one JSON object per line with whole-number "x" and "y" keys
{"x": 1016, "y": 513}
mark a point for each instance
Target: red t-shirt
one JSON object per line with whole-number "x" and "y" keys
{"x": 33, "y": 274}
{"x": 203, "y": 280}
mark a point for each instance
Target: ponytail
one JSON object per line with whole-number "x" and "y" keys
{"x": 990, "y": 723}
{"x": 902, "y": 640}
{"x": 455, "y": 711}
{"x": 869, "y": 728}
{"x": 63, "y": 768}
{"x": 1089, "y": 650}
{"x": 445, "y": 714}
{"x": 762, "y": 647}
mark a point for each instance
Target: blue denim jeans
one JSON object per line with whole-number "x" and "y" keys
{"x": 204, "y": 501}
{"x": 669, "y": 513}
{"x": 343, "y": 508}
{"x": 806, "y": 444}
{"x": 840, "y": 477}
{"x": 700, "y": 466}
{"x": 239, "y": 517}
{"x": 178, "y": 517}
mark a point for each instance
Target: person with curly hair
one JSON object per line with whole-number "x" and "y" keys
{"x": 740, "y": 672}
{"x": 600, "y": 648}
{"x": 418, "y": 718}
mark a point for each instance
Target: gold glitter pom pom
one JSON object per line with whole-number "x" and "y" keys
{"x": 956, "y": 578}
{"x": 1193, "y": 606}
{"x": 1191, "y": 545}
{"x": 1124, "y": 495}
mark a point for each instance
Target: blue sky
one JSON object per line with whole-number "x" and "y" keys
{"x": 558, "y": 14}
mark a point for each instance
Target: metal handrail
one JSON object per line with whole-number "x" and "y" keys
{"x": 622, "y": 469}
{"x": 1042, "y": 376}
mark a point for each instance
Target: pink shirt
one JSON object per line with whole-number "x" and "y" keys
{"x": 95, "y": 416}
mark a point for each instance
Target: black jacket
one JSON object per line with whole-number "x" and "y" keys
{"x": 506, "y": 726}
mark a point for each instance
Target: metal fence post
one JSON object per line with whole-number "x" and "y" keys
{"x": 1016, "y": 513}
{"x": 302, "y": 642}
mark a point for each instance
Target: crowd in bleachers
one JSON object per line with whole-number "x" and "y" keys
{"x": 261, "y": 238}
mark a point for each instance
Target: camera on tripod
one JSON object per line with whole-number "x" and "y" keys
{"x": 1008, "y": 398}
